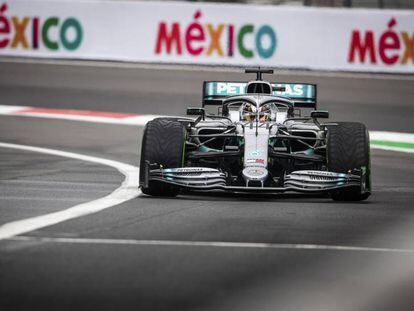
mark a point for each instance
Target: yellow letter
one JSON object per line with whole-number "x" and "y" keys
{"x": 215, "y": 35}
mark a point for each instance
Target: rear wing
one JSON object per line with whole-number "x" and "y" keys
{"x": 302, "y": 94}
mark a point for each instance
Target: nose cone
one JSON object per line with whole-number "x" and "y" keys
{"x": 255, "y": 175}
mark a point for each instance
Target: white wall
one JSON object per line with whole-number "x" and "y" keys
{"x": 291, "y": 37}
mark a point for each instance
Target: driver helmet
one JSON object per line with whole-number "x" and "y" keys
{"x": 248, "y": 112}
{"x": 267, "y": 112}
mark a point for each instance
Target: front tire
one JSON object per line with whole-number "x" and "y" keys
{"x": 162, "y": 144}
{"x": 347, "y": 148}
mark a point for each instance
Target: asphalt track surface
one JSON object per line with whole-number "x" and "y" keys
{"x": 278, "y": 253}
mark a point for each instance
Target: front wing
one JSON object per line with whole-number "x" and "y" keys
{"x": 305, "y": 181}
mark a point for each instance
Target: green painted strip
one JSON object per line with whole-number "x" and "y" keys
{"x": 392, "y": 144}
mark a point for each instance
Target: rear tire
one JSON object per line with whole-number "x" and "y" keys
{"x": 162, "y": 143}
{"x": 347, "y": 148}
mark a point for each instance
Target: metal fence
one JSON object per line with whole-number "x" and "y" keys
{"x": 384, "y": 4}
{"x": 394, "y": 4}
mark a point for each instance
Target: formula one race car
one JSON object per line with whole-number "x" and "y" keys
{"x": 256, "y": 142}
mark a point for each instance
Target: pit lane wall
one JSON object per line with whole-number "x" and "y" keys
{"x": 210, "y": 34}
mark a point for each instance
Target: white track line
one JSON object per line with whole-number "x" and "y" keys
{"x": 211, "y": 244}
{"x": 11, "y": 110}
{"x": 396, "y": 137}
{"x": 135, "y": 120}
{"x": 391, "y": 136}
{"x": 27, "y": 111}
{"x": 127, "y": 191}
{"x": 396, "y": 149}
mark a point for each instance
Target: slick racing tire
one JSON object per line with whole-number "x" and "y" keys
{"x": 347, "y": 148}
{"x": 162, "y": 144}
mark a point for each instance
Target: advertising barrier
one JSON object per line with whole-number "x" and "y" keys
{"x": 210, "y": 34}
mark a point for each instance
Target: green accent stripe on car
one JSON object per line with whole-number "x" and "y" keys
{"x": 392, "y": 144}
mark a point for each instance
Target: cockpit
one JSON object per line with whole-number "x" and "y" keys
{"x": 246, "y": 111}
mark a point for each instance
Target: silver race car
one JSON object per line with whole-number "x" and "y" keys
{"x": 256, "y": 141}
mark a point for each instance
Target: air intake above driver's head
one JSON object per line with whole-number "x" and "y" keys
{"x": 258, "y": 87}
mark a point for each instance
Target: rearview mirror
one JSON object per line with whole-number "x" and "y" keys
{"x": 195, "y": 111}
{"x": 321, "y": 114}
